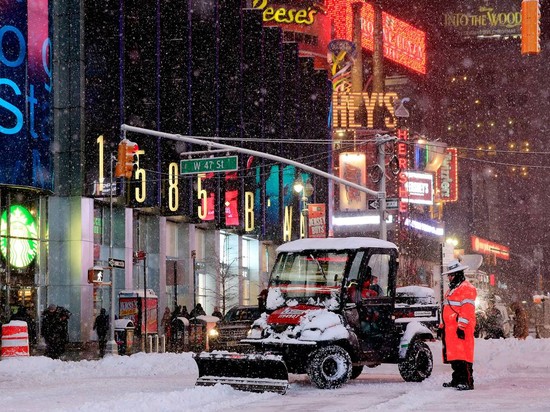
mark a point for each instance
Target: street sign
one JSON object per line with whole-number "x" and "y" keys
{"x": 117, "y": 263}
{"x": 392, "y": 203}
{"x": 208, "y": 165}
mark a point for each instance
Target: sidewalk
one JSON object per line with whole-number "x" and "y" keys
{"x": 74, "y": 351}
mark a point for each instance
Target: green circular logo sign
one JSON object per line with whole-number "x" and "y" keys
{"x": 23, "y": 236}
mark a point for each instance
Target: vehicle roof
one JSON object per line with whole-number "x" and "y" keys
{"x": 236, "y": 307}
{"x": 335, "y": 244}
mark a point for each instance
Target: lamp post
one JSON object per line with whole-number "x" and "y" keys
{"x": 306, "y": 190}
{"x": 194, "y": 262}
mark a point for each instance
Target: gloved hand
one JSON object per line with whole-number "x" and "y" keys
{"x": 439, "y": 333}
{"x": 460, "y": 333}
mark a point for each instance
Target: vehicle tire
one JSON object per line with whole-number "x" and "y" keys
{"x": 356, "y": 371}
{"x": 329, "y": 367}
{"x": 418, "y": 362}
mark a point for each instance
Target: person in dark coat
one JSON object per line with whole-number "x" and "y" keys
{"x": 55, "y": 330}
{"x": 101, "y": 326}
{"x": 165, "y": 322}
{"x": 217, "y": 313}
{"x": 184, "y": 313}
{"x": 23, "y": 315}
{"x": 197, "y": 311}
{"x": 521, "y": 323}
{"x": 494, "y": 325}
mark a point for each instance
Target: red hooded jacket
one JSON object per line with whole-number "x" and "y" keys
{"x": 459, "y": 313}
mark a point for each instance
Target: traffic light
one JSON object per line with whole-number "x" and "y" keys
{"x": 95, "y": 275}
{"x": 126, "y": 159}
{"x": 530, "y": 27}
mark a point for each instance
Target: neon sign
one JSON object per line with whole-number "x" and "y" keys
{"x": 282, "y": 14}
{"x": 447, "y": 176}
{"x": 403, "y": 43}
{"x": 22, "y": 236}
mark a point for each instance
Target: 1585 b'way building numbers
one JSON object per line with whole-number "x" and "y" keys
{"x": 210, "y": 164}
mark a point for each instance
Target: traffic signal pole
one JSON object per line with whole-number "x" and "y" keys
{"x": 380, "y": 195}
{"x": 111, "y": 347}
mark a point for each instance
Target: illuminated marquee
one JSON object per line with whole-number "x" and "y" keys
{"x": 346, "y": 105}
{"x": 22, "y": 236}
{"x": 403, "y": 43}
{"x": 446, "y": 178}
{"x": 487, "y": 247}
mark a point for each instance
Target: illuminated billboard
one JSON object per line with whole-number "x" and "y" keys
{"x": 305, "y": 23}
{"x": 416, "y": 187}
{"x": 25, "y": 94}
{"x": 403, "y": 43}
{"x": 352, "y": 168}
{"x": 482, "y": 18}
{"x": 487, "y": 247}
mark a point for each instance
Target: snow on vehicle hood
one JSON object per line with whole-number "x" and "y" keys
{"x": 305, "y": 323}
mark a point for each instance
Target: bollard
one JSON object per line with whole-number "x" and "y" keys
{"x": 162, "y": 344}
{"x": 149, "y": 344}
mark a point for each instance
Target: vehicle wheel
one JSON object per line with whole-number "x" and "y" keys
{"x": 356, "y": 371}
{"x": 329, "y": 367}
{"x": 418, "y": 362}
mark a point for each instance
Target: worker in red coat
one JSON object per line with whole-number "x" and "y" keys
{"x": 459, "y": 321}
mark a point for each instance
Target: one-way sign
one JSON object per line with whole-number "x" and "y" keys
{"x": 392, "y": 203}
{"x": 117, "y": 263}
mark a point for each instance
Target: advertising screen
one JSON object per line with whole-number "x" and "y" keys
{"x": 25, "y": 93}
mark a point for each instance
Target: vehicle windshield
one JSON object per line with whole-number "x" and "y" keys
{"x": 309, "y": 274}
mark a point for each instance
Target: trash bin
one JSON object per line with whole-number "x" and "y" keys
{"x": 124, "y": 336}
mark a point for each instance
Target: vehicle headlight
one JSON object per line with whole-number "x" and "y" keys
{"x": 213, "y": 333}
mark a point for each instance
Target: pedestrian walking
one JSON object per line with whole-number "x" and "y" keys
{"x": 101, "y": 326}
{"x": 459, "y": 321}
{"x": 55, "y": 330}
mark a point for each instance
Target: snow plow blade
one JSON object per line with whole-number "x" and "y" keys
{"x": 246, "y": 372}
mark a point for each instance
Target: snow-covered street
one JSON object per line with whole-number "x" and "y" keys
{"x": 510, "y": 375}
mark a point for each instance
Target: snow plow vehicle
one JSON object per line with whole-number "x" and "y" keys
{"x": 325, "y": 318}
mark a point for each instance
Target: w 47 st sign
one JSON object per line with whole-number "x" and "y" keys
{"x": 209, "y": 165}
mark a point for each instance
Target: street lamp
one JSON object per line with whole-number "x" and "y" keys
{"x": 306, "y": 190}
{"x": 452, "y": 241}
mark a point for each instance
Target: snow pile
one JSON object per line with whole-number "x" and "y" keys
{"x": 509, "y": 374}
